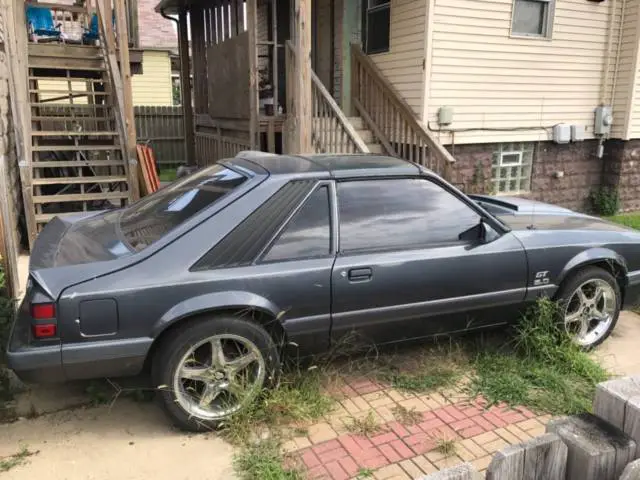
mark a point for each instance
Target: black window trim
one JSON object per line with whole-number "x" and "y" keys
{"x": 365, "y": 26}
{"x": 485, "y": 216}
{"x": 333, "y": 230}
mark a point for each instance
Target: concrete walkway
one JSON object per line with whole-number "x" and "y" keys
{"x": 620, "y": 353}
{"x": 128, "y": 441}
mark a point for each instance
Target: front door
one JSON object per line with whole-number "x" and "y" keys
{"x": 402, "y": 272}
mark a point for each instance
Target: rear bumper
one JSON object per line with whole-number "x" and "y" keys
{"x": 37, "y": 365}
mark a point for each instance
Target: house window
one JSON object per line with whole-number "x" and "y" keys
{"x": 376, "y": 25}
{"x": 532, "y": 18}
{"x": 511, "y": 169}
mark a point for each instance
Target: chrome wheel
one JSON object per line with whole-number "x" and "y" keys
{"x": 218, "y": 376}
{"x": 590, "y": 312}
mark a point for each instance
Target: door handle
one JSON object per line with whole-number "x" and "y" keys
{"x": 360, "y": 274}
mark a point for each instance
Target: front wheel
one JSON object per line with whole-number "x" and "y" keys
{"x": 591, "y": 304}
{"x": 212, "y": 369}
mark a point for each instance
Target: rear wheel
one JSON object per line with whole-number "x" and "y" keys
{"x": 591, "y": 304}
{"x": 212, "y": 369}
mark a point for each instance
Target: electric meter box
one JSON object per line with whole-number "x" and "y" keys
{"x": 603, "y": 120}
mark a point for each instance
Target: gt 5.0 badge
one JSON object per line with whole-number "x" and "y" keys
{"x": 542, "y": 278}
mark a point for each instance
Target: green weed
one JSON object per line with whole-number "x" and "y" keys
{"x": 19, "y": 458}
{"x": 263, "y": 460}
{"x": 406, "y": 416}
{"x": 445, "y": 446}
{"x": 366, "y": 426}
{"x": 540, "y": 368}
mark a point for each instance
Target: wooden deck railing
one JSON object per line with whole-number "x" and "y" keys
{"x": 331, "y": 130}
{"x": 391, "y": 119}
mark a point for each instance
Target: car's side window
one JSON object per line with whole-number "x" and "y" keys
{"x": 399, "y": 213}
{"x": 308, "y": 233}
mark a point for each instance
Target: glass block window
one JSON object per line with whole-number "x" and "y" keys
{"x": 511, "y": 168}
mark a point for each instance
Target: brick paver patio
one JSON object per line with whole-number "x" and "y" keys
{"x": 407, "y": 451}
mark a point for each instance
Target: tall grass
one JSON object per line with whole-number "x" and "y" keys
{"x": 540, "y": 367}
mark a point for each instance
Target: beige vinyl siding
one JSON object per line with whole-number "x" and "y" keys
{"x": 153, "y": 87}
{"x": 624, "y": 82}
{"x": 402, "y": 64}
{"x": 495, "y": 81}
{"x": 631, "y": 44}
{"x": 62, "y": 86}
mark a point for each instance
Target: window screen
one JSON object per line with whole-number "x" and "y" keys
{"x": 532, "y": 18}
{"x": 398, "y": 214}
{"x": 376, "y": 25}
{"x": 308, "y": 234}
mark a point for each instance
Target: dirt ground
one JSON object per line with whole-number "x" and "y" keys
{"x": 131, "y": 440}
{"x": 127, "y": 441}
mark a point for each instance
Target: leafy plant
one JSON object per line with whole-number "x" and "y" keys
{"x": 605, "y": 201}
{"x": 263, "y": 460}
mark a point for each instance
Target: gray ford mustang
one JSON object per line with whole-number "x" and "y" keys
{"x": 203, "y": 281}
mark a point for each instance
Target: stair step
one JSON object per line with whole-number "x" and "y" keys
{"x": 374, "y": 147}
{"x": 60, "y": 118}
{"x": 73, "y": 106}
{"x": 75, "y": 148}
{"x": 80, "y": 197}
{"x": 80, "y": 65}
{"x": 357, "y": 123}
{"x": 64, "y": 133}
{"x": 366, "y": 135}
{"x": 47, "y": 217}
{"x": 79, "y": 180}
{"x": 78, "y": 163}
{"x": 68, "y": 92}
{"x": 64, "y": 79}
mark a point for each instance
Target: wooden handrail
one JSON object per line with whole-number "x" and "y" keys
{"x": 331, "y": 130}
{"x": 60, "y": 7}
{"x": 391, "y": 119}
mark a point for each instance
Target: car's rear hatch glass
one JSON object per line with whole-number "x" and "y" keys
{"x": 119, "y": 233}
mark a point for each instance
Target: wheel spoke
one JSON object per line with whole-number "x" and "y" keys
{"x": 240, "y": 363}
{"x": 581, "y": 296}
{"x": 193, "y": 373}
{"x": 599, "y": 294}
{"x": 209, "y": 394}
{"x": 217, "y": 355}
{"x": 584, "y": 329}
{"x": 600, "y": 315}
{"x": 573, "y": 317}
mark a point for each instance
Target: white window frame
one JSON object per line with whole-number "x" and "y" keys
{"x": 501, "y": 169}
{"x": 547, "y": 29}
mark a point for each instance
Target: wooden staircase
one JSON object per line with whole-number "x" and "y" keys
{"x": 79, "y": 137}
{"x": 78, "y": 159}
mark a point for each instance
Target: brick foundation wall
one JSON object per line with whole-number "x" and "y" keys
{"x": 581, "y": 171}
{"x": 622, "y": 171}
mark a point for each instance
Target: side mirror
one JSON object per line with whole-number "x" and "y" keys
{"x": 479, "y": 233}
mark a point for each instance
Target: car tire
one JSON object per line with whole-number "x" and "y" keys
{"x": 588, "y": 279}
{"x": 183, "y": 394}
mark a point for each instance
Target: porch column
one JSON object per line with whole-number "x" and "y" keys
{"x": 301, "y": 111}
{"x": 185, "y": 89}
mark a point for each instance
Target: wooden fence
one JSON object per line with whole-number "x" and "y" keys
{"x": 163, "y": 129}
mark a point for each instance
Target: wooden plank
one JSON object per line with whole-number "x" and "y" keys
{"x": 80, "y": 180}
{"x": 596, "y": 449}
{"x": 78, "y": 163}
{"x": 65, "y": 133}
{"x": 60, "y": 7}
{"x": 545, "y": 457}
{"x": 76, "y": 148}
{"x": 254, "y": 113}
{"x": 125, "y": 70}
{"x": 80, "y": 197}
{"x": 302, "y": 102}
{"x": 16, "y": 50}
{"x": 507, "y": 464}
{"x": 185, "y": 87}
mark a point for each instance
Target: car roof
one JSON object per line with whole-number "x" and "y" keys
{"x": 336, "y": 165}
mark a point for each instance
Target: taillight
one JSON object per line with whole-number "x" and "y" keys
{"x": 43, "y": 311}
{"x": 44, "y": 317}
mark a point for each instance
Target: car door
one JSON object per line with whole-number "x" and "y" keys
{"x": 402, "y": 271}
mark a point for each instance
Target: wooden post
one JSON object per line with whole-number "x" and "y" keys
{"x": 541, "y": 457}
{"x": 125, "y": 69}
{"x": 254, "y": 121}
{"x": 301, "y": 35}
{"x": 185, "y": 84}
{"x": 618, "y": 402}
{"x": 16, "y": 49}
{"x": 596, "y": 449}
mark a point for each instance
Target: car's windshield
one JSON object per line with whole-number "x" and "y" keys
{"x": 148, "y": 220}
